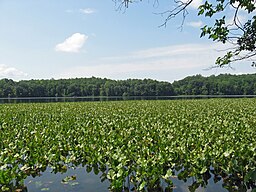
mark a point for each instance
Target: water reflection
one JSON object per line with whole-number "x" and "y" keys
{"x": 78, "y": 180}
{"x": 114, "y": 98}
{"x": 74, "y": 180}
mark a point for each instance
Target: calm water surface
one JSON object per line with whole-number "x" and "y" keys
{"x": 83, "y": 182}
{"x": 84, "y": 99}
{"x": 89, "y": 182}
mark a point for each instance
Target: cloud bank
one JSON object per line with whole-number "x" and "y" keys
{"x": 11, "y": 72}
{"x": 166, "y": 62}
{"x": 72, "y": 44}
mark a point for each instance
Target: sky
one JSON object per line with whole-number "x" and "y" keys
{"x": 44, "y": 39}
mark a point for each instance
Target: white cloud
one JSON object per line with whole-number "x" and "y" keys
{"x": 236, "y": 4}
{"x": 72, "y": 44}
{"x": 87, "y": 11}
{"x": 11, "y": 72}
{"x": 156, "y": 62}
{"x": 174, "y": 50}
{"x": 195, "y": 3}
{"x": 195, "y": 24}
{"x": 241, "y": 8}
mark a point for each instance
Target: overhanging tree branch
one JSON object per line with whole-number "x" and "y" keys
{"x": 180, "y": 9}
{"x": 240, "y": 34}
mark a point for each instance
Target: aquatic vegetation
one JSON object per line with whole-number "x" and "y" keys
{"x": 134, "y": 144}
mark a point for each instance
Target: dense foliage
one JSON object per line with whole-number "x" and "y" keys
{"x": 145, "y": 142}
{"x": 216, "y": 85}
{"x": 194, "y": 85}
{"x": 84, "y": 87}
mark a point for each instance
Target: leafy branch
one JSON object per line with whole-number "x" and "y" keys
{"x": 240, "y": 34}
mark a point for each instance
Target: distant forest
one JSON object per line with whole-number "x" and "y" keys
{"x": 193, "y": 85}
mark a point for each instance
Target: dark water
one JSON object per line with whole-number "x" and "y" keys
{"x": 81, "y": 99}
{"x": 81, "y": 182}
{"x": 89, "y": 182}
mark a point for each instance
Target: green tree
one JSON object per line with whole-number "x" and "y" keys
{"x": 7, "y": 87}
{"x": 240, "y": 33}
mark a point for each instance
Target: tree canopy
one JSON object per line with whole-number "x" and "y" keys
{"x": 84, "y": 87}
{"x": 194, "y": 85}
{"x": 239, "y": 32}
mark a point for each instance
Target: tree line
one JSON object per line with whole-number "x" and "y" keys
{"x": 80, "y": 87}
{"x": 225, "y": 84}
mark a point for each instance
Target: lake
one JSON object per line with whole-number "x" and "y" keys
{"x": 150, "y": 142}
{"x": 117, "y": 98}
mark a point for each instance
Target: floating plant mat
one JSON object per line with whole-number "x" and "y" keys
{"x": 141, "y": 144}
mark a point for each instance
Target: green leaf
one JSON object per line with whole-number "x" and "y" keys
{"x": 142, "y": 185}
{"x": 45, "y": 189}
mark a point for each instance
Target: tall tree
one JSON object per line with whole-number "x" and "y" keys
{"x": 239, "y": 32}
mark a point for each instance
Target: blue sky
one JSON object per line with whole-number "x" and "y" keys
{"x": 43, "y": 39}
